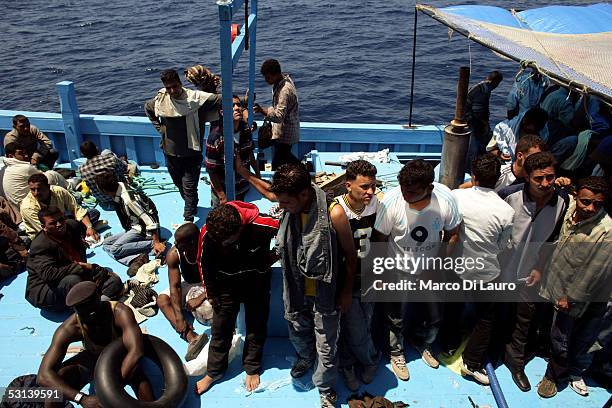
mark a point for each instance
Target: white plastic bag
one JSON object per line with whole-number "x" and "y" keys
{"x": 197, "y": 366}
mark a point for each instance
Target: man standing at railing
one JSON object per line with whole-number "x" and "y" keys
{"x": 284, "y": 113}
{"x": 179, "y": 115}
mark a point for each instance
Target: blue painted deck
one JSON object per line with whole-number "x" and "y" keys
{"x": 27, "y": 334}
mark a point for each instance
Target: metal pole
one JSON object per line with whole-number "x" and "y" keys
{"x": 456, "y": 137}
{"x": 414, "y": 37}
{"x": 227, "y": 70}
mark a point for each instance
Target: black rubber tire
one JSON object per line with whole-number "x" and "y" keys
{"x": 107, "y": 376}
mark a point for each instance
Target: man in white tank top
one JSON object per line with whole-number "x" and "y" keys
{"x": 356, "y": 348}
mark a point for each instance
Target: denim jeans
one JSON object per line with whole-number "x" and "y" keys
{"x": 185, "y": 174}
{"x": 571, "y": 339}
{"x": 355, "y": 344}
{"x": 426, "y": 319}
{"x": 126, "y": 246}
{"x": 315, "y": 334}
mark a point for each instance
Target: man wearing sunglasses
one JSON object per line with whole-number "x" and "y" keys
{"x": 578, "y": 281}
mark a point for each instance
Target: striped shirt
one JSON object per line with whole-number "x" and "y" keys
{"x": 215, "y": 154}
{"x": 101, "y": 164}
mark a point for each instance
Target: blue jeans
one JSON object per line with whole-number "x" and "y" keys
{"x": 355, "y": 344}
{"x": 126, "y": 246}
{"x": 571, "y": 338}
{"x": 315, "y": 334}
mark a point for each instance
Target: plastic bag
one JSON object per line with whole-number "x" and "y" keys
{"x": 197, "y": 366}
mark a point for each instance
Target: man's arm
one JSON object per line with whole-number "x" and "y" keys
{"x": 132, "y": 340}
{"x": 151, "y": 226}
{"x": 345, "y": 239}
{"x": 47, "y": 376}
{"x": 450, "y": 237}
{"x": 149, "y": 108}
{"x": 30, "y": 219}
{"x": 263, "y": 187}
{"x": 174, "y": 278}
{"x": 41, "y": 137}
{"x": 217, "y": 185}
{"x": 285, "y": 99}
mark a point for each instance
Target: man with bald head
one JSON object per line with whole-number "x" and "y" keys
{"x": 183, "y": 276}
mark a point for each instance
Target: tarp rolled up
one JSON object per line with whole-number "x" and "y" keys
{"x": 570, "y": 44}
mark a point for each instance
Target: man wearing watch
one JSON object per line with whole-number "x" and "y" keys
{"x": 43, "y": 195}
{"x": 96, "y": 323}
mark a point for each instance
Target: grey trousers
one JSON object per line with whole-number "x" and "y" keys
{"x": 356, "y": 344}
{"x": 315, "y": 334}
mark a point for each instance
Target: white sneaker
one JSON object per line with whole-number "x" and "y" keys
{"x": 478, "y": 375}
{"x": 578, "y": 385}
{"x": 399, "y": 367}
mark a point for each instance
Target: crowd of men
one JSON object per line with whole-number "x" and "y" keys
{"x": 535, "y": 211}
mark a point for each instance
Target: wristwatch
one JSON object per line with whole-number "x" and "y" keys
{"x": 78, "y": 397}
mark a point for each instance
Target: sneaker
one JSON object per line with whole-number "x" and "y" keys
{"x": 328, "y": 399}
{"x": 578, "y": 385}
{"x": 399, "y": 367}
{"x": 195, "y": 346}
{"x": 350, "y": 378}
{"x": 428, "y": 358}
{"x": 547, "y": 388}
{"x": 368, "y": 374}
{"x": 478, "y": 375}
{"x": 136, "y": 264}
{"x": 300, "y": 367}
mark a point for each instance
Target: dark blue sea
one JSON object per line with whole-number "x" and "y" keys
{"x": 350, "y": 60}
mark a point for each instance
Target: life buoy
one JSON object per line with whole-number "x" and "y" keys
{"x": 107, "y": 375}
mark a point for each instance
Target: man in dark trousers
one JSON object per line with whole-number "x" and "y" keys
{"x": 57, "y": 262}
{"x": 96, "y": 324}
{"x": 179, "y": 115}
{"x": 235, "y": 260}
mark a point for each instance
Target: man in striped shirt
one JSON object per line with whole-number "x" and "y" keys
{"x": 100, "y": 163}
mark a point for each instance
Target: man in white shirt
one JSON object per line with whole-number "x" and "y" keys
{"x": 414, "y": 218}
{"x": 486, "y": 230}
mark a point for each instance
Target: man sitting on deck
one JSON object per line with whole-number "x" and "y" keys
{"x": 57, "y": 262}
{"x": 42, "y": 195}
{"x": 34, "y": 141}
{"x": 101, "y": 163}
{"x": 183, "y": 277}
{"x": 235, "y": 261}
{"x": 138, "y": 217}
{"x": 96, "y": 323}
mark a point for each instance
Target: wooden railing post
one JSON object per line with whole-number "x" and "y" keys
{"x": 71, "y": 118}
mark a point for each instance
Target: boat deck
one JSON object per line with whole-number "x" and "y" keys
{"x": 27, "y": 334}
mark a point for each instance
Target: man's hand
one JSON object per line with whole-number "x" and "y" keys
{"x": 90, "y": 401}
{"x": 563, "y": 182}
{"x": 91, "y": 232}
{"x": 222, "y": 197}
{"x": 563, "y": 304}
{"x": 194, "y": 303}
{"x": 181, "y": 325}
{"x": 534, "y": 277}
{"x": 86, "y": 266}
{"x": 259, "y": 109}
{"x": 158, "y": 247}
{"x": 344, "y": 303}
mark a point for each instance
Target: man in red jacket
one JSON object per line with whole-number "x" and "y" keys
{"x": 235, "y": 262}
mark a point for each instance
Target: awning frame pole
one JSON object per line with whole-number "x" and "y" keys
{"x": 414, "y": 37}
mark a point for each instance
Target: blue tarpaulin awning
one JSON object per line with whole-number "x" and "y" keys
{"x": 570, "y": 44}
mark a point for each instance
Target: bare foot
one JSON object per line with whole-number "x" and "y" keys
{"x": 252, "y": 382}
{"x": 204, "y": 384}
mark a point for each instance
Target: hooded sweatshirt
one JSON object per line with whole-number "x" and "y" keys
{"x": 239, "y": 266}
